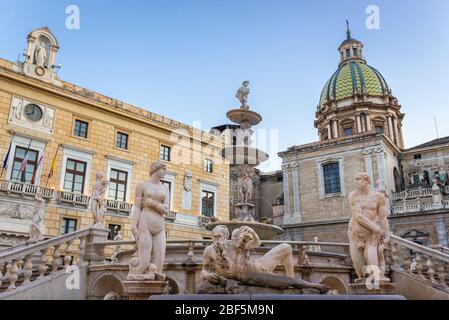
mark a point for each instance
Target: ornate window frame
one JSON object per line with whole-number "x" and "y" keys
{"x": 320, "y": 175}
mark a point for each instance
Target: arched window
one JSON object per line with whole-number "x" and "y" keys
{"x": 331, "y": 175}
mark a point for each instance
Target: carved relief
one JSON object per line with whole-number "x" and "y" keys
{"x": 41, "y": 117}
{"x": 17, "y": 211}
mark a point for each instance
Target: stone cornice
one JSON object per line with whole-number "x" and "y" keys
{"x": 86, "y": 97}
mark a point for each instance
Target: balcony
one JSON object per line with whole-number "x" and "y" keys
{"x": 74, "y": 199}
{"x": 25, "y": 189}
{"x": 412, "y": 207}
{"x": 119, "y": 207}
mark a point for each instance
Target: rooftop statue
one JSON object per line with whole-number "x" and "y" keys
{"x": 228, "y": 263}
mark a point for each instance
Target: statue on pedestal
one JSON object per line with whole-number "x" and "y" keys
{"x": 367, "y": 238}
{"x": 150, "y": 207}
{"x": 98, "y": 201}
{"x": 40, "y": 55}
{"x": 245, "y": 183}
{"x": 37, "y": 225}
{"x": 242, "y": 95}
{"x": 227, "y": 263}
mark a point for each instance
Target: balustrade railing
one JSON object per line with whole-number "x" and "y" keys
{"x": 52, "y": 255}
{"x": 25, "y": 189}
{"x": 119, "y": 206}
{"x": 419, "y": 261}
{"x": 412, "y": 193}
{"x": 74, "y": 198}
{"x": 24, "y": 264}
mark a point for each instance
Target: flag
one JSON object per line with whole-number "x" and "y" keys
{"x": 23, "y": 167}
{"x": 5, "y": 161}
{"x": 33, "y": 179}
{"x": 53, "y": 166}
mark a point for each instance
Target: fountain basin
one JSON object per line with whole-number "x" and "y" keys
{"x": 244, "y": 155}
{"x": 263, "y": 230}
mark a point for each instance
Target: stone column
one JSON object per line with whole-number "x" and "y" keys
{"x": 363, "y": 121}
{"x": 334, "y": 122}
{"x": 359, "y": 125}
{"x": 382, "y": 174}
{"x": 390, "y": 128}
{"x": 296, "y": 200}
{"x": 369, "y": 165}
{"x": 395, "y": 128}
{"x": 368, "y": 122}
{"x": 329, "y": 132}
{"x": 285, "y": 182}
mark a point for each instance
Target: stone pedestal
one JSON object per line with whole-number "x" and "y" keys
{"x": 360, "y": 287}
{"x": 92, "y": 252}
{"x": 143, "y": 289}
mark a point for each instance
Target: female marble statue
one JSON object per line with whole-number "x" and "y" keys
{"x": 40, "y": 55}
{"x": 149, "y": 224}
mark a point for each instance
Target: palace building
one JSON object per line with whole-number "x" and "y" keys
{"x": 55, "y": 136}
{"x": 359, "y": 123}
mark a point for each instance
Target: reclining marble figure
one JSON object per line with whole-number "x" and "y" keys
{"x": 227, "y": 263}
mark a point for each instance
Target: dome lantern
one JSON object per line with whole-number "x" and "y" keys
{"x": 350, "y": 49}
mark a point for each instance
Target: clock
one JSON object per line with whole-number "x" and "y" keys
{"x": 33, "y": 112}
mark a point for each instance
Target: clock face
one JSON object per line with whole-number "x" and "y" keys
{"x": 33, "y": 112}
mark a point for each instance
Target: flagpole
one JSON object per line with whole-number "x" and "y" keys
{"x": 5, "y": 161}
{"x": 24, "y": 159}
{"x": 50, "y": 174}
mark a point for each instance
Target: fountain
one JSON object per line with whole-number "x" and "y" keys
{"x": 245, "y": 158}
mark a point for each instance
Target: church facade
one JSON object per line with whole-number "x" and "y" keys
{"x": 55, "y": 136}
{"x": 359, "y": 123}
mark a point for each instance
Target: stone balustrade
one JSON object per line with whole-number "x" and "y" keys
{"x": 421, "y": 262}
{"x": 119, "y": 207}
{"x": 73, "y": 198}
{"x": 25, "y": 189}
{"x": 415, "y": 193}
{"x": 27, "y": 263}
{"x": 418, "y": 206}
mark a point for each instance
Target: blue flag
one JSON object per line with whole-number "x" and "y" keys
{"x": 5, "y": 162}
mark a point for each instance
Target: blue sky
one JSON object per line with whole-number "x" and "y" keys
{"x": 185, "y": 59}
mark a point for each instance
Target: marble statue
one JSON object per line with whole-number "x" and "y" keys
{"x": 245, "y": 184}
{"x": 437, "y": 196}
{"x": 367, "y": 237}
{"x": 148, "y": 227}
{"x": 243, "y": 134}
{"x": 98, "y": 201}
{"x": 117, "y": 237}
{"x": 226, "y": 263}
{"x": 40, "y": 55}
{"x": 188, "y": 181}
{"x": 242, "y": 95}
{"x": 37, "y": 225}
{"x": 17, "y": 109}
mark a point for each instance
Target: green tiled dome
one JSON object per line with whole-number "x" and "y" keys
{"x": 354, "y": 77}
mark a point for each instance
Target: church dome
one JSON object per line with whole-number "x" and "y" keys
{"x": 354, "y": 77}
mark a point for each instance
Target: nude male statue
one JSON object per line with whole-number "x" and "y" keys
{"x": 228, "y": 261}
{"x": 367, "y": 238}
{"x": 37, "y": 228}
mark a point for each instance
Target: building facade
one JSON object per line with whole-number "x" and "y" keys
{"x": 359, "y": 124}
{"x": 58, "y": 135}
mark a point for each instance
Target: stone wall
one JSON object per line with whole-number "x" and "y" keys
{"x": 145, "y": 137}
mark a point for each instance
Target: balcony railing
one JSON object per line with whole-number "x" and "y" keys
{"x": 74, "y": 198}
{"x": 419, "y": 207}
{"x": 119, "y": 207}
{"x": 415, "y": 193}
{"x": 25, "y": 189}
